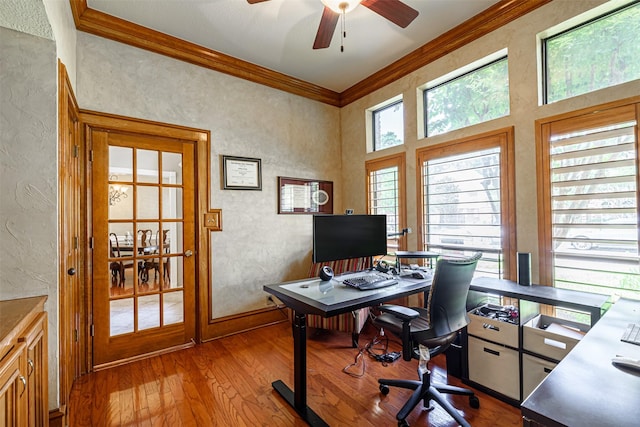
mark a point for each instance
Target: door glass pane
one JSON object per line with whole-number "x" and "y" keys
{"x": 121, "y": 161}
{"x": 120, "y": 239}
{"x": 175, "y": 273}
{"x": 122, "y": 277}
{"x": 171, "y": 203}
{"x": 120, "y": 199}
{"x": 121, "y": 315}
{"x": 147, "y": 166}
{"x": 176, "y": 237}
{"x": 173, "y": 308}
{"x": 148, "y": 312}
{"x": 147, "y": 256}
{"x": 171, "y": 168}
{"x": 147, "y": 202}
{"x": 120, "y": 172}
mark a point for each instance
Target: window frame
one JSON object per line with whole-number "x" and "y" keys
{"x": 374, "y": 165}
{"x": 459, "y": 74}
{"x": 594, "y": 116}
{"x": 505, "y": 140}
{"x": 563, "y": 29}
{"x": 376, "y": 110}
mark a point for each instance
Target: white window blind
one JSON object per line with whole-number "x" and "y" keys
{"x": 384, "y": 200}
{"x": 462, "y": 206}
{"x": 594, "y": 206}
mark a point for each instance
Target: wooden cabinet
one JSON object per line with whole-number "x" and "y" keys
{"x": 23, "y": 363}
{"x": 13, "y": 386}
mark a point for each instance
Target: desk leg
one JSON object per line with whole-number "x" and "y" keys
{"x": 298, "y": 398}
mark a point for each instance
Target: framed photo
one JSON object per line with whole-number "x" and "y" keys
{"x": 304, "y": 196}
{"x": 241, "y": 173}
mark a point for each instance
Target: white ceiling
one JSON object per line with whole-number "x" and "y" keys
{"x": 279, "y": 34}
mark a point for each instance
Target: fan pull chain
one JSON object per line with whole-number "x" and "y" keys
{"x": 343, "y": 34}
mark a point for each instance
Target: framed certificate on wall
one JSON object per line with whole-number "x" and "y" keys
{"x": 304, "y": 196}
{"x": 241, "y": 173}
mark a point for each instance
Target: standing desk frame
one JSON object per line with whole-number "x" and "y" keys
{"x": 313, "y": 296}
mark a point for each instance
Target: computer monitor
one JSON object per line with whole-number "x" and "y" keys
{"x": 337, "y": 237}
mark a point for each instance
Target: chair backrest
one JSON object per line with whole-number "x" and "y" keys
{"x": 164, "y": 239}
{"x": 447, "y": 302}
{"x": 114, "y": 251}
{"x": 145, "y": 237}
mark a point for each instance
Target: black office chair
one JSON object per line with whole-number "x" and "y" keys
{"x": 434, "y": 328}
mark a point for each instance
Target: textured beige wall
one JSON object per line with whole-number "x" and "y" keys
{"x": 293, "y": 136}
{"x": 519, "y": 38}
{"x": 28, "y": 177}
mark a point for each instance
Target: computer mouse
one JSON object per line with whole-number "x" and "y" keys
{"x": 418, "y": 275}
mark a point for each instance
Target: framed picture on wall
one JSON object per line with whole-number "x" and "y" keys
{"x": 241, "y": 173}
{"x": 304, "y": 196}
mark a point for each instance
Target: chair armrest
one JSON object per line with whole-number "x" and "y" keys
{"x": 403, "y": 313}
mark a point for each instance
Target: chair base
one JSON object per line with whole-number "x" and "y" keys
{"x": 425, "y": 391}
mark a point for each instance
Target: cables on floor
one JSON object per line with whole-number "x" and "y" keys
{"x": 379, "y": 354}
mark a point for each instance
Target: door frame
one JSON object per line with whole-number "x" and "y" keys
{"x": 201, "y": 139}
{"x": 72, "y": 346}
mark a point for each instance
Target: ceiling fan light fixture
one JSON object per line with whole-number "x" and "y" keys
{"x": 341, "y": 6}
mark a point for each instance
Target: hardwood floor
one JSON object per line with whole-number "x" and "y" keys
{"x": 227, "y": 382}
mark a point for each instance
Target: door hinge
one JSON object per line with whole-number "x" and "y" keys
{"x": 75, "y": 335}
{"x": 75, "y": 151}
{"x": 91, "y": 155}
{"x": 90, "y": 242}
{"x": 75, "y": 242}
{"x": 91, "y": 330}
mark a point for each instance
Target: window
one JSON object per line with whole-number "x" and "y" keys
{"x": 467, "y": 201}
{"x": 475, "y": 97}
{"x": 386, "y": 196}
{"x": 388, "y": 126}
{"x": 590, "y": 201}
{"x": 600, "y": 53}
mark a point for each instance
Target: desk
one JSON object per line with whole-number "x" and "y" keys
{"x": 312, "y": 296}
{"x": 581, "y": 301}
{"x": 585, "y": 389}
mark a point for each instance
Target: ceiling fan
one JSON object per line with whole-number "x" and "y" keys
{"x": 393, "y": 10}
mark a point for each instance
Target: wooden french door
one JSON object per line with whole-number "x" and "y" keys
{"x": 143, "y": 209}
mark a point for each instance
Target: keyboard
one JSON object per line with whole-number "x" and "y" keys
{"x": 369, "y": 281}
{"x": 632, "y": 334}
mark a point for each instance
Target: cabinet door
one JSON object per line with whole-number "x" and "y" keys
{"x": 35, "y": 338}
{"x": 13, "y": 386}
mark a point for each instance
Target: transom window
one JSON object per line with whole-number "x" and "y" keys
{"x": 475, "y": 97}
{"x": 388, "y": 126}
{"x": 597, "y": 54}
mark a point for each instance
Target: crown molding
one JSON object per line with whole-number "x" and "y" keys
{"x": 108, "y": 26}
{"x": 472, "y": 29}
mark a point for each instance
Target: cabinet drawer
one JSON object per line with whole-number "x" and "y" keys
{"x": 551, "y": 337}
{"x": 493, "y": 330}
{"x": 534, "y": 370}
{"x": 495, "y": 367}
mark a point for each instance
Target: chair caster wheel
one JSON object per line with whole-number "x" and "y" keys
{"x": 474, "y": 402}
{"x": 403, "y": 423}
{"x": 384, "y": 389}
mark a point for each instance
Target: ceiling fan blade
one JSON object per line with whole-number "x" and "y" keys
{"x": 326, "y": 28}
{"x": 255, "y": 1}
{"x": 394, "y": 10}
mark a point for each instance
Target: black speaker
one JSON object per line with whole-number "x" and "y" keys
{"x": 524, "y": 268}
{"x": 382, "y": 266}
{"x": 326, "y": 273}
